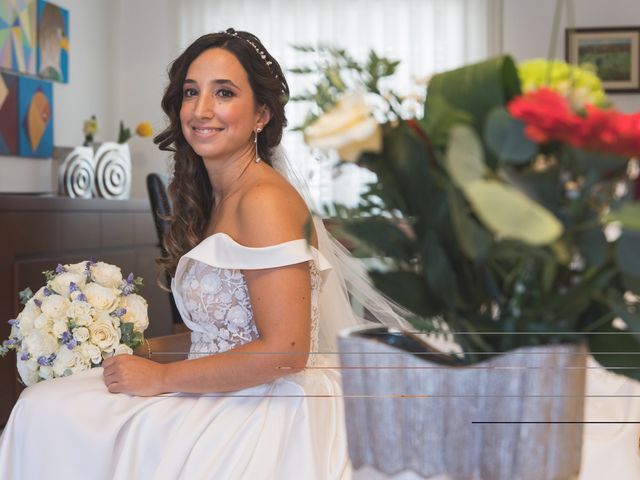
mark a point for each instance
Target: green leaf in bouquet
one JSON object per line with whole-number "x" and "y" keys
{"x": 406, "y": 288}
{"x": 474, "y": 240}
{"x": 616, "y": 350}
{"x": 440, "y": 119}
{"x": 438, "y": 271}
{"x": 477, "y": 89}
{"x": 542, "y": 186}
{"x": 628, "y": 215}
{"x": 129, "y": 336}
{"x": 25, "y": 295}
{"x": 464, "y": 158}
{"x": 408, "y": 163}
{"x": 505, "y": 137}
{"x": 383, "y": 237}
{"x": 510, "y": 214}
{"x": 626, "y": 252}
{"x": 593, "y": 246}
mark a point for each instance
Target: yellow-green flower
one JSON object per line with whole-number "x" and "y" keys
{"x": 144, "y": 129}
{"x": 579, "y": 85}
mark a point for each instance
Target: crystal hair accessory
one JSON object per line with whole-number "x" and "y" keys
{"x": 262, "y": 53}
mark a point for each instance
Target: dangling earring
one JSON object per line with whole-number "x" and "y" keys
{"x": 255, "y": 141}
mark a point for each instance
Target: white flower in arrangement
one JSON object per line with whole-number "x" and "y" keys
{"x": 349, "y": 128}
{"x": 136, "y": 311}
{"x": 85, "y": 313}
{"x": 61, "y": 283}
{"x": 105, "y": 274}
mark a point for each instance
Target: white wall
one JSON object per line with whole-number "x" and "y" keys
{"x": 87, "y": 93}
{"x": 527, "y": 27}
{"x": 145, "y": 44}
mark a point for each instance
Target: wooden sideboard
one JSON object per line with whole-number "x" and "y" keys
{"x": 38, "y": 232}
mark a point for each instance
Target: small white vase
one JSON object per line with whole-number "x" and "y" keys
{"x": 76, "y": 171}
{"x": 113, "y": 170}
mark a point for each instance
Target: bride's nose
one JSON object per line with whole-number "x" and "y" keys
{"x": 204, "y": 107}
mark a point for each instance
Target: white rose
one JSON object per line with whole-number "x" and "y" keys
{"x": 40, "y": 344}
{"x": 104, "y": 335}
{"x": 69, "y": 360}
{"x": 55, "y": 306}
{"x": 28, "y": 371}
{"x": 43, "y": 322}
{"x": 91, "y": 353}
{"x": 349, "y": 128}
{"x": 59, "y": 327}
{"x": 81, "y": 313}
{"x": 137, "y": 314}
{"x": 60, "y": 284}
{"x": 80, "y": 268}
{"x": 39, "y": 295}
{"x": 106, "y": 275}
{"x": 123, "y": 349}
{"x": 30, "y": 311}
{"x": 81, "y": 334}
{"x": 102, "y": 298}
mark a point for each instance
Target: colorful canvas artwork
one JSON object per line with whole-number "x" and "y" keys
{"x": 35, "y": 118}
{"x": 53, "y": 42}
{"x": 18, "y": 50}
{"x": 8, "y": 114}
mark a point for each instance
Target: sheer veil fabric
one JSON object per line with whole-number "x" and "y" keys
{"x": 349, "y": 280}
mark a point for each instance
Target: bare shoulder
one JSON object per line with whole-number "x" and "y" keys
{"x": 271, "y": 212}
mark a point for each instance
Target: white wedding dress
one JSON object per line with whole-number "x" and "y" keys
{"x": 292, "y": 428}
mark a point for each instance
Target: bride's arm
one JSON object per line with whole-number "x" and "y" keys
{"x": 281, "y": 303}
{"x": 166, "y": 349}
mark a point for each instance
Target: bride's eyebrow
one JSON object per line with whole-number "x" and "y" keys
{"x": 221, "y": 81}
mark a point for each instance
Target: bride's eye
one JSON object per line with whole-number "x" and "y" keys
{"x": 189, "y": 92}
{"x": 224, "y": 93}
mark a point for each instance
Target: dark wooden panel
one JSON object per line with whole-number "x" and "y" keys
{"x": 80, "y": 230}
{"x": 118, "y": 229}
{"x": 40, "y": 232}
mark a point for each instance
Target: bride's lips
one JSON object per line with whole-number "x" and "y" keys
{"x": 205, "y": 132}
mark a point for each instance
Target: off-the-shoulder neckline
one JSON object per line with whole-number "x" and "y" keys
{"x": 234, "y": 241}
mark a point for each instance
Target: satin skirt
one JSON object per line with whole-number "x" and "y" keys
{"x": 73, "y": 428}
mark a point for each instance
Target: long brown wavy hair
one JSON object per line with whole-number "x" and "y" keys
{"x": 190, "y": 189}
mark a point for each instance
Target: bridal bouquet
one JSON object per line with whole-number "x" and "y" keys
{"x": 85, "y": 313}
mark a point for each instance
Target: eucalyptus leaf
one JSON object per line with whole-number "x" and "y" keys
{"x": 589, "y": 161}
{"x": 510, "y": 214}
{"x": 506, "y": 139}
{"x": 464, "y": 159}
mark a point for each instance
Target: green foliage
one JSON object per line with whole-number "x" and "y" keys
{"x": 480, "y": 228}
{"x": 25, "y": 295}
{"x": 130, "y": 337}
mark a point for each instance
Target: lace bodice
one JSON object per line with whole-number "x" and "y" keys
{"x": 213, "y": 298}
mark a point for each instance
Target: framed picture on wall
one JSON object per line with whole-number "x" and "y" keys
{"x": 614, "y": 52}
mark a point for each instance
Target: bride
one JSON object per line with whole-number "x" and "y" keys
{"x": 253, "y": 399}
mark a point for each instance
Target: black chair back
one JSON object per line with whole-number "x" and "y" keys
{"x": 161, "y": 209}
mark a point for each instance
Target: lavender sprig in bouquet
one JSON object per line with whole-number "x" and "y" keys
{"x": 85, "y": 313}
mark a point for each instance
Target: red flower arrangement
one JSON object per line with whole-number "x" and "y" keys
{"x": 548, "y": 117}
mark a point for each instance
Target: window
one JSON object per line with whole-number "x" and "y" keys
{"x": 428, "y": 36}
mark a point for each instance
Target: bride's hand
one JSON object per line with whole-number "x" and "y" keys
{"x": 133, "y": 375}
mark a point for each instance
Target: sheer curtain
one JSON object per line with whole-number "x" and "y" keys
{"x": 428, "y": 36}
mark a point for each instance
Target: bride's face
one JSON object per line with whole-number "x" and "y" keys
{"x": 218, "y": 113}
